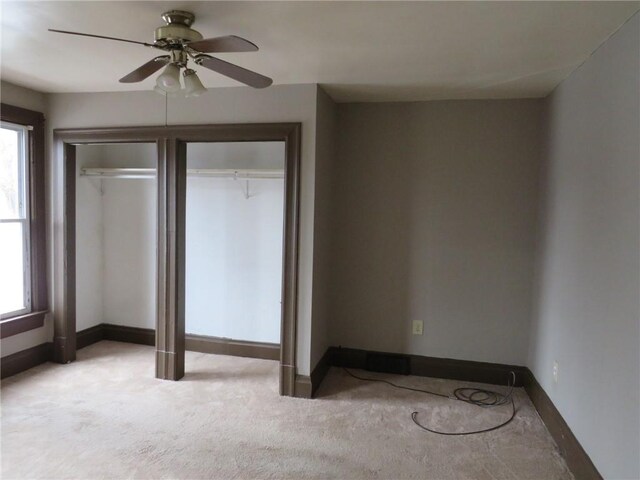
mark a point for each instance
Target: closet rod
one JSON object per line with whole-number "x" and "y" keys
{"x": 195, "y": 172}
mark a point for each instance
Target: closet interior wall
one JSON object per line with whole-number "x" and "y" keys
{"x": 234, "y": 238}
{"x": 116, "y": 238}
{"x": 234, "y": 230}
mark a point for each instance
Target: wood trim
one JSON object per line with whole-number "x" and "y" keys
{"x": 236, "y": 348}
{"x": 194, "y": 343}
{"x": 64, "y": 323}
{"x": 288, "y": 328}
{"x": 240, "y": 132}
{"x": 307, "y": 386}
{"x": 24, "y": 360}
{"x": 37, "y": 216}
{"x": 303, "y": 388}
{"x": 465, "y": 370}
{"x": 577, "y": 459}
{"x": 23, "y": 323}
{"x": 320, "y": 371}
{"x": 89, "y": 336}
{"x": 122, "y": 333}
{"x": 37, "y": 191}
{"x": 170, "y": 323}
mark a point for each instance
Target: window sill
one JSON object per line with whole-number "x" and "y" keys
{"x": 23, "y": 323}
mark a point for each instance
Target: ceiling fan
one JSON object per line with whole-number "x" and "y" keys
{"x": 181, "y": 44}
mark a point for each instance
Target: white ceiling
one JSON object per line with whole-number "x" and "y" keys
{"x": 360, "y": 51}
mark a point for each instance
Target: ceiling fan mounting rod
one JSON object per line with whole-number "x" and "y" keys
{"x": 177, "y": 30}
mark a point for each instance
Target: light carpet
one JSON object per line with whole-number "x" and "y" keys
{"x": 106, "y": 416}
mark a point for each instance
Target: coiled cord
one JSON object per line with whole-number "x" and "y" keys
{"x": 479, "y": 397}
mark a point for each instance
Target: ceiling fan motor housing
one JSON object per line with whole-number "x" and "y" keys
{"x": 178, "y": 28}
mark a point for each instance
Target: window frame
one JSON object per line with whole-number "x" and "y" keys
{"x": 23, "y": 215}
{"x": 33, "y": 315}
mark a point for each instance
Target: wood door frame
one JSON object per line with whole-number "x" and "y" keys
{"x": 171, "y": 186}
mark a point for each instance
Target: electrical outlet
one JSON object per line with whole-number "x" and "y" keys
{"x": 555, "y": 371}
{"x": 417, "y": 327}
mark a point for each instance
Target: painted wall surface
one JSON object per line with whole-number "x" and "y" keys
{"x": 434, "y": 219}
{"x": 115, "y": 239}
{"x": 587, "y": 303}
{"x": 32, "y": 100}
{"x": 282, "y": 103}
{"x": 23, "y": 97}
{"x": 89, "y": 240}
{"x": 129, "y": 237}
{"x": 234, "y": 244}
{"x": 326, "y": 171}
{"x": 129, "y": 227}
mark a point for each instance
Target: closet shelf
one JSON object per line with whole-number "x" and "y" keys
{"x": 244, "y": 174}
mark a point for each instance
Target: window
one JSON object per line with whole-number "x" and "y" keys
{"x": 15, "y": 275}
{"x": 23, "y": 300}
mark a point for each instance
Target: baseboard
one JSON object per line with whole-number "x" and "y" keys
{"x": 26, "y": 359}
{"x": 121, "y": 333}
{"x": 89, "y": 336}
{"x": 452, "y": 369}
{"x": 236, "y": 348}
{"x": 577, "y": 459}
{"x": 303, "y": 387}
{"x": 320, "y": 370}
{"x": 193, "y": 343}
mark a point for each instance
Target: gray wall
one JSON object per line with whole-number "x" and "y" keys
{"x": 326, "y": 139}
{"x": 587, "y": 310}
{"x": 434, "y": 220}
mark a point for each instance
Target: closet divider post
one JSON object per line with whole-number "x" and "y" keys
{"x": 170, "y": 323}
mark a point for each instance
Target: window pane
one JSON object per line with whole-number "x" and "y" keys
{"x": 12, "y": 281}
{"x": 10, "y": 173}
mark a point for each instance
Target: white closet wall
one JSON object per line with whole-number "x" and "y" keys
{"x": 116, "y": 239}
{"x": 129, "y": 218}
{"x": 234, "y": 243}
{"x": 233, "y": 250}
{"x": 89, "y": 241}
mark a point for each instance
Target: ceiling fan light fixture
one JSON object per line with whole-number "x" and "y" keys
{"x": 180, "y": 43}
{"x": 192, "y": 84}
{"x": 169, "y": 80}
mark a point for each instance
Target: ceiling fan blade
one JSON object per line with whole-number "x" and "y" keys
{"x": 145, "y": 70}
{"x": 230, "y": 70}
{"x": 102, "y": 36}
{"x": 230, "y": 43}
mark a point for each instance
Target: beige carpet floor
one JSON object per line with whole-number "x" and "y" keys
{"x": 105, "y": 416}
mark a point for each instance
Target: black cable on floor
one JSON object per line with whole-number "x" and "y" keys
{"x": 479, "y": 397}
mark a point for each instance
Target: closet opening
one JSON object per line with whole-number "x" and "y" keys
{"x": 234, "y": 229}
{"x": 116, "y": 233}
{"x": 111, "y": 182}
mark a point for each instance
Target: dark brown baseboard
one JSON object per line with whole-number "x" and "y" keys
{"x": 577, "y": 459}
{"x": 120, "y": 333}
{"x": 26, "y": 359}
{"x": 306, "y": 386}
{"x": 236, "y": 348}
{"x": 320, "y": 370}
{"x": 89, "y": 336}
{"x": 465, "y": 370}
{"x": 193, "y": 343}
